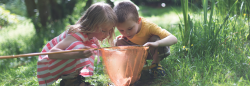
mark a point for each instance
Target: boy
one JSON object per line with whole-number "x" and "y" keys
{"x": 137, "y": 30}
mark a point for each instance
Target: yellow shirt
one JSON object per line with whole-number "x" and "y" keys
{"x": 147, "y": 30}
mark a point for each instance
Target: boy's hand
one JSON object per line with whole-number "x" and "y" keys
{"x": 151, "y": 44}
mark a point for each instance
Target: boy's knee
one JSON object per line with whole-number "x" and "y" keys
{"x": 154, "y": 38}
{"x": 162, "y": 52}
{"x": 120, "y": 42}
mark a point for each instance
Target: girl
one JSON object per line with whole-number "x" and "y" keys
{"x": 97, "y": 23}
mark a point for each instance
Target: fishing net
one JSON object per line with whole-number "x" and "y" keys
{"x": 124, "y": 64}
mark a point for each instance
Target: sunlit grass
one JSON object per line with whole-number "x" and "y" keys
{"x": 23, "y": 29}
{"x": 169, "y": 19}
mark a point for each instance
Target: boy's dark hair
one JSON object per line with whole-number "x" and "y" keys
{"x": 123, "y": 9}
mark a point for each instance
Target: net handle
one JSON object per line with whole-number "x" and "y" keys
{"x": 43, "y": 53}
{"x": 47, "y": 53}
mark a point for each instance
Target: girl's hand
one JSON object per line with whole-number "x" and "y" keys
{"x": 151, "y": 44}
{"x": 86, "y": 53}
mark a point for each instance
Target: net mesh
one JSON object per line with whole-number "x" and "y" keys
{"x": 124, "y": 64}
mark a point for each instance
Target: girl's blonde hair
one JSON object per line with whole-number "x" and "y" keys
{"x": 96, "y": 15}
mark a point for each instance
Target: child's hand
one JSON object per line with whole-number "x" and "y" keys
{"x": 85, "y": 53}
{"x": 151, "y": 44}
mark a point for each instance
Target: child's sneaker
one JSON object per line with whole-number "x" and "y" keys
{"x": 158, "y": 70}
{"x": 76, "y": 81}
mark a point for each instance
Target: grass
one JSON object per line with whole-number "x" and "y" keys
{"x": 208, "y": 60}
{"x": 24, "y": 75}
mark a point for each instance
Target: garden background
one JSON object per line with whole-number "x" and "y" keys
{"x": 213, "y": 39}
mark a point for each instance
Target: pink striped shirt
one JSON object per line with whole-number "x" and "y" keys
{"x": 50, "y": 70}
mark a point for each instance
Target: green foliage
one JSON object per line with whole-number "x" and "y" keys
{"x": 19, "y": 75}
{"x": 6, "y": 17}
{"x": 15, "y": 6}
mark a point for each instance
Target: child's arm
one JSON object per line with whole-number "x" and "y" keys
{"x": 167, "y": 41}
{"x": 62, "y": 45}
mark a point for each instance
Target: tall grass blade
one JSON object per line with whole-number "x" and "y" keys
{"x": 205, "y": 19}
{"x": 205, "y": 11}
{"x": 180, "y": 28}
{"x": 184, "y": 5}
{"x": 211, "y": 19}
{"x": 241, "y": 7}
{"x": 218, "y": 30}
{"x": 191, "y": 25}
{"x": 248, "y": 13}
{"x": 180, "y": 25}
{"x": 238, "y": 16}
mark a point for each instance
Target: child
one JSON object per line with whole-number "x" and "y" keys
{"x": 137, "y": 30}
{"x": 97, "y": 23}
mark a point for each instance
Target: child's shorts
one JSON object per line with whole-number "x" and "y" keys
{"x": 163, "y": 52}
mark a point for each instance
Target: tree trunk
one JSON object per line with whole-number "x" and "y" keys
{"x": 56, "y": 10}
{"x": 68, "y": 6}
{"x": 30, "y": 6}
{"x": 110, "y": 3}
{"x": 88, "y": 4}
{"x": 43, "y": 7}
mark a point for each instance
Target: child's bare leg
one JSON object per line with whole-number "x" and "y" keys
{"x": 156, "y": 58}
{"x": 153, "y": 51}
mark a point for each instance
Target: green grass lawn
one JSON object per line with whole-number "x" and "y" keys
{"x": 228, "y": 65}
